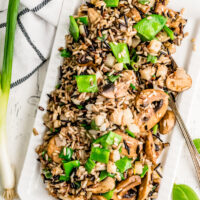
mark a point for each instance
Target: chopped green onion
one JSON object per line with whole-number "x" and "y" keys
{"x": 69, "y": 166}
{"x": 102, "y": 38}
{"x": 94, "y": 126}
{"x": 89, "y": 165}
{"x": 83, "y": 19}
{"x": 113, "y": 78}
{"x": 197, "y": 144}
{"x": 130, "y": 133}
{"x": 108, "y": 139}
{"x": 132, "y": 86}
{"x": 155, "y": 129}
{"x": 66, "y": 153}
{"x": 150, "y": 26}
{"x": 123, "y": 164}
{"x": 152, "y": 59}
{"x": 6, "y": 170}
{"x": 100, "y": 154}
{"x": 145, "y": 170}
{"x": 65, "y": 53}
{"x": 120, "y": 51}
{"x": 108, "y": 195}
{"x": 74, "y": 29}
{"x": 87, "y": 83}
{"x": 144, "y": 2}
{"x": 80, "y": 107}
{"x": 104, "y": 174}
{"x": 111, "y": 3}
{"x": 169, "y": 32}
{"x": 47, "y": 174}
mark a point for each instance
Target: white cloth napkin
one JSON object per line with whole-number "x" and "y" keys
{"x": 36, "y": 25}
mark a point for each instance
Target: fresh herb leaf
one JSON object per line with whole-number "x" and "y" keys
{"x": 197, "y": 144}
{"x": 183, "y": 192}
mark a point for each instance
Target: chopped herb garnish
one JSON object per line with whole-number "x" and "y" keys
{"x": 113, "y": 78}
{"x": 132, "y": 86}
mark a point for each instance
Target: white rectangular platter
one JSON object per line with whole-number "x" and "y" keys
{"x": 31, "y": 186}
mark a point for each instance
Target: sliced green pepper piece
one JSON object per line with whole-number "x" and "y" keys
{"x": 124, "y": 164}
{"x": 69, "y": 166}
{"x": 65, "y": 53}
{"x": 89, "y": 165}
{"x": 104, "y": 174}
{"x": 66, "y": 153}
{"x": 130, "y": 133}
{"x": 145, "y": 170}
{"x": 109, "y": 139}
{"x": 150, "y": 26}
{"x": 197, "y": 144}
{"x": 100, "y": 154}
{"x": 111, "y": 3}
{"x": 120, "y": 51}
{"x": 83, "y": 19}
{"x": 169, "y": 32}
{"x": 152, "y": 59}
{"x": 108, "y": 195}
{"x": 87, "y": 83}
{"x": 74, "y": 29}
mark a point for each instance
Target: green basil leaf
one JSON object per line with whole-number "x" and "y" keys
{"x": 183, "y": 192}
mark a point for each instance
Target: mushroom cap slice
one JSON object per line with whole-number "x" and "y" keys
{"x": 152, "y": 105}
{"x": 179, "y": 81}
{"x": 150, "y": 148}
{"x": 53, "y": 148}
{"x": 124, "y": 186}
{"x": 104, "y": 186}
{"x": 131, "y": 143}
{"x": 167, "y": 123}
{"x": 145, "y": 186}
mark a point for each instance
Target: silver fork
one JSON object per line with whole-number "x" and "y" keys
{"x": 193, "y": 151}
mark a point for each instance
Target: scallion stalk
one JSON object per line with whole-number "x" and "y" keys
{"x": 6, "y": 171}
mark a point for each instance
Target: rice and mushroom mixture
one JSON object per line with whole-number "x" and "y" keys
{"x": 105, "y": 118}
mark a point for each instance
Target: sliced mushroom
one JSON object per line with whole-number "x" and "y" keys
{"x": 104, "y": 186}
{"x": 98, "y": 197}
{"x": 167, "y": 123}
{"x": 54, "y": 148}
{"x": 93, "y": 16}
{"x": 145, "y": 186}
{"x": 130, "y": 145}
{"x": 147, "y": 73}
{"x": 179, "y": 80}
{"x": 150, "y": 148}
{"x": 121, "y": 87}
{"x": 123, "y": 188}
{"x": 152, "y": 105}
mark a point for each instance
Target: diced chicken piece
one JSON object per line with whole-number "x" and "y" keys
{"x": 160, "y": 8}
{"x": 147, "y": 73}
{"x": 162, "y": 36}
{"x": 99, "y": 119}
{"x": 133, "y": 128}
{"x": 127, "y": 117}
{"x": 116, "y": 116}
{"x": 110, "y": 60}
{"x": 118, "y": 66}
{"x": 93, "y": 16}
{"x": 154, "y": 46}
{"x": 114, "y": 155}
{"x": 138, "y": 167}
{"x": 162, "y": 71}
{"x": 111, "y": 167}
{"x": 135, "y": 14}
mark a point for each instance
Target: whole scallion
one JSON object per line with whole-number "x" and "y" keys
{"x": 6, "y": 171}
